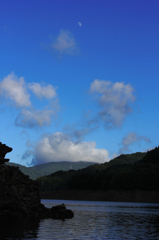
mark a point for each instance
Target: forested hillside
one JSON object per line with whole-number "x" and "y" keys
{"x": 48, "y": 168}
{"x": 127, "y": 172}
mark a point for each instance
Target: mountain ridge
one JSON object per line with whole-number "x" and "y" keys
{"x": 48, "y": 168}
{"x": 128, "y": 172}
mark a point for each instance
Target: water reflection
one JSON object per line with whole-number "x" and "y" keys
{"x": 19, "y": 229}
{"x": 93, "y": 220}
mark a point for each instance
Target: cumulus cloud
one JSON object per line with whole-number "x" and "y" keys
{"x": 58, "y": 147}
{"x": 80, "y": 24}
{"x": 114, "y": 101}
{"x": 14, "y": 88}
{"x": 30, "y": 118}
{"x": 65, "y": 43}
{"x": 48, "y": 91}
{"x": 129, "y": 139}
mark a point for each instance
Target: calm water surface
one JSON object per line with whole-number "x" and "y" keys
{"x": 92, "y": 220}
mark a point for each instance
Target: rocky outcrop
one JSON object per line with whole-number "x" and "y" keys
{"x": 3, "y": 151}
{"x": 19, "y": 195}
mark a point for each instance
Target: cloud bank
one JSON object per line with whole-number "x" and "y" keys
{"x": 58, "y": 147}
{"x": 113, "y": 100}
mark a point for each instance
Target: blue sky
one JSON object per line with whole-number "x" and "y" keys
{"x": 79, "y": 80}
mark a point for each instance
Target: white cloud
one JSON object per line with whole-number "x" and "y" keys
{"x": 65, "y": 43}
{"x": 14, "y": 88}
{"x": 48, "y": 91}
{"x": 80, "y": 24}
{"x": 129, "y": 139}
{"x": 34, "y": 118}
{"x": 58, "y": 147}
{"x": 114, "y": 101}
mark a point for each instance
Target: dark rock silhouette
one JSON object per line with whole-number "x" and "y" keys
{"x": 3, "y": 151}
{"x": 19, "y": 195}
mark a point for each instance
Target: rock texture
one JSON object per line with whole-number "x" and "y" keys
{"x": 19, "y": 195}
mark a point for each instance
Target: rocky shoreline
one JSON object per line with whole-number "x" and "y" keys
{"x": 20, "y": 197}
{"x": 109, "y": 195}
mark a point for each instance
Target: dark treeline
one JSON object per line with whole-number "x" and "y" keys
{"x": 127, "y": 172}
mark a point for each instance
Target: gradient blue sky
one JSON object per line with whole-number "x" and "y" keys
{"x": 79, "y": 80}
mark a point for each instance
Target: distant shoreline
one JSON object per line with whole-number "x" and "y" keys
{"x": 109, "y": 195}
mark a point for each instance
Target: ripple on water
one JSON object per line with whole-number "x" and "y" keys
{"x": 93, "y": 220}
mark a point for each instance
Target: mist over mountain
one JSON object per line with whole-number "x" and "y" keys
{"x": 126, "y": 172}
{"x": 49, "y": 168}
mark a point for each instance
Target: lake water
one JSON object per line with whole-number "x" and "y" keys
{"x": 92, "y": 220}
